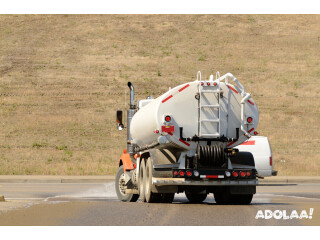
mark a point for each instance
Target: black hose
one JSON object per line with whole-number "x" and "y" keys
{"x": 211, "y": 156}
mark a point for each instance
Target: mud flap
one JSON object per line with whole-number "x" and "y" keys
{"x": 126, "y": 162}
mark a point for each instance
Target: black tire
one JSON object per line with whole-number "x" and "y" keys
{"x": 119, "y": 186}
{"x": 196, "y": 198}
{"x": 241, "y": 199}
{"x": 141, "y": 181}
{"x": 225, "y": 198}
{"x": 151, "y": 197}
{"x": 167, "y": 197}
{"x": 222, "y": 198}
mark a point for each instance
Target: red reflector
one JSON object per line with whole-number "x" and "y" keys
{"x": 175, "y": 173}
{"x": 167, "y": 129}
{"x": 157, "y": 131}
{"x": 208, "y": 84}
{"x": 215, "y": 84}
{"x": 248, "y": 174}
{"x": 189, "y": 173}
{"x": 181, "y": 173}
{"x": 270, "y": 161}
{"x": 212, "y": 176}
{"x": 235, "y": 174}
{"x": 249, "y": 119}
{"x": 202, "y": 84}
{"x": 255, "y": 133}
{"x": 242, "y": 174}
{"x": 167, "y": 118}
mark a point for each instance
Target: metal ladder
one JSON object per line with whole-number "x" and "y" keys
{"x": 213, "y": 120}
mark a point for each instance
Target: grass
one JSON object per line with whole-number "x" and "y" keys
{"x": 62, "y": 77}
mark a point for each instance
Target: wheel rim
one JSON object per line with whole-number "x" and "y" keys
{"x": 122, "y": 187}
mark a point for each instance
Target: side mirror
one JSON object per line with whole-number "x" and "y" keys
{"x": 119, "y": 120}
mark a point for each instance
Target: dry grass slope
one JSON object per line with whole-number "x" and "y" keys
{"x": 63, "y": 76}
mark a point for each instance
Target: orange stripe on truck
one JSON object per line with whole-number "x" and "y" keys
{"x": 233, "y": 89}
{"x": 181, "y": 89}
{"x": 184, "y": 142}
{"x": 251, "y": 102}
{"x": 231, "y": 143}
{"x": 250, "y": 130}
{"x": 166, "y": 99}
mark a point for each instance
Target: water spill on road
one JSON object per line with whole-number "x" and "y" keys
{"x": 101, "y": 192}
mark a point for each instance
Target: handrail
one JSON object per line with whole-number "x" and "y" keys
{"x": 219, "y": 110}
{"x": 198, "y": 73}
{"x": 234, "y": 79}
{"x": 246, "y": 97}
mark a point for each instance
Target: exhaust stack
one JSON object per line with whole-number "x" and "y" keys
{"x": 131, "y": 87}
{"x": 131, "y": 112}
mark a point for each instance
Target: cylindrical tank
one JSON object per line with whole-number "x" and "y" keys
{"x": 207, "y": 109}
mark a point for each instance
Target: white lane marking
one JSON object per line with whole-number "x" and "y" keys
{"x": 281, "y": 195}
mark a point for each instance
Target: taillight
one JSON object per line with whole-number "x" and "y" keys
{"x": 235, "y": 174}
{"x": 167, "y": 118}
{"x": 255, "y": 133}
{"x": 175, "y": 173}
{"x": 242, "y": 174}
{"x": 248, "y": 174}
{"x": 202, "y": 83}
{"x": 270, "y": 161}
{"x": 215, "y": 84}
{"x": 208, "y": 84}
{"x": 249, "y": 119}
{"x": 181, "y": 173}
{"x": 189, "y": 173}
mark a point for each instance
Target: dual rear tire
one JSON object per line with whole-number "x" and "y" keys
{"x": 226, "y": 198}
{"x": 196, "y": 198}
{"x": 145, "y": 185}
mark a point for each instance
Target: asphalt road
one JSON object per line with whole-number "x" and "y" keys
{"x": 96, "y": 204}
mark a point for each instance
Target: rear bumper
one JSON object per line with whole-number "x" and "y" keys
{"x": 204, "y": 182}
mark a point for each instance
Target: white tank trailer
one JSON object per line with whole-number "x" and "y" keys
{"x": 186, "y": 141}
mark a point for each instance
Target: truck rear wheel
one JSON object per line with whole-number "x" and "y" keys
{"x": 226, "y": 198}
{"x": 121, "y": 188}
{"x": 151, "y": 197}
{"x": 222, "y": 198}
{"x": 141, "y": 181}
{"x": 196, "y": 198}
{"x": 167, "y": 197}
{"x": 242, "y": 199}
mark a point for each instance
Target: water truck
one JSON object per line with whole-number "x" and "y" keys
{"x": 198, "y": 138}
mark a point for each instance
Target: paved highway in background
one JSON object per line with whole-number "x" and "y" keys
{"x": 96, "y": 204}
